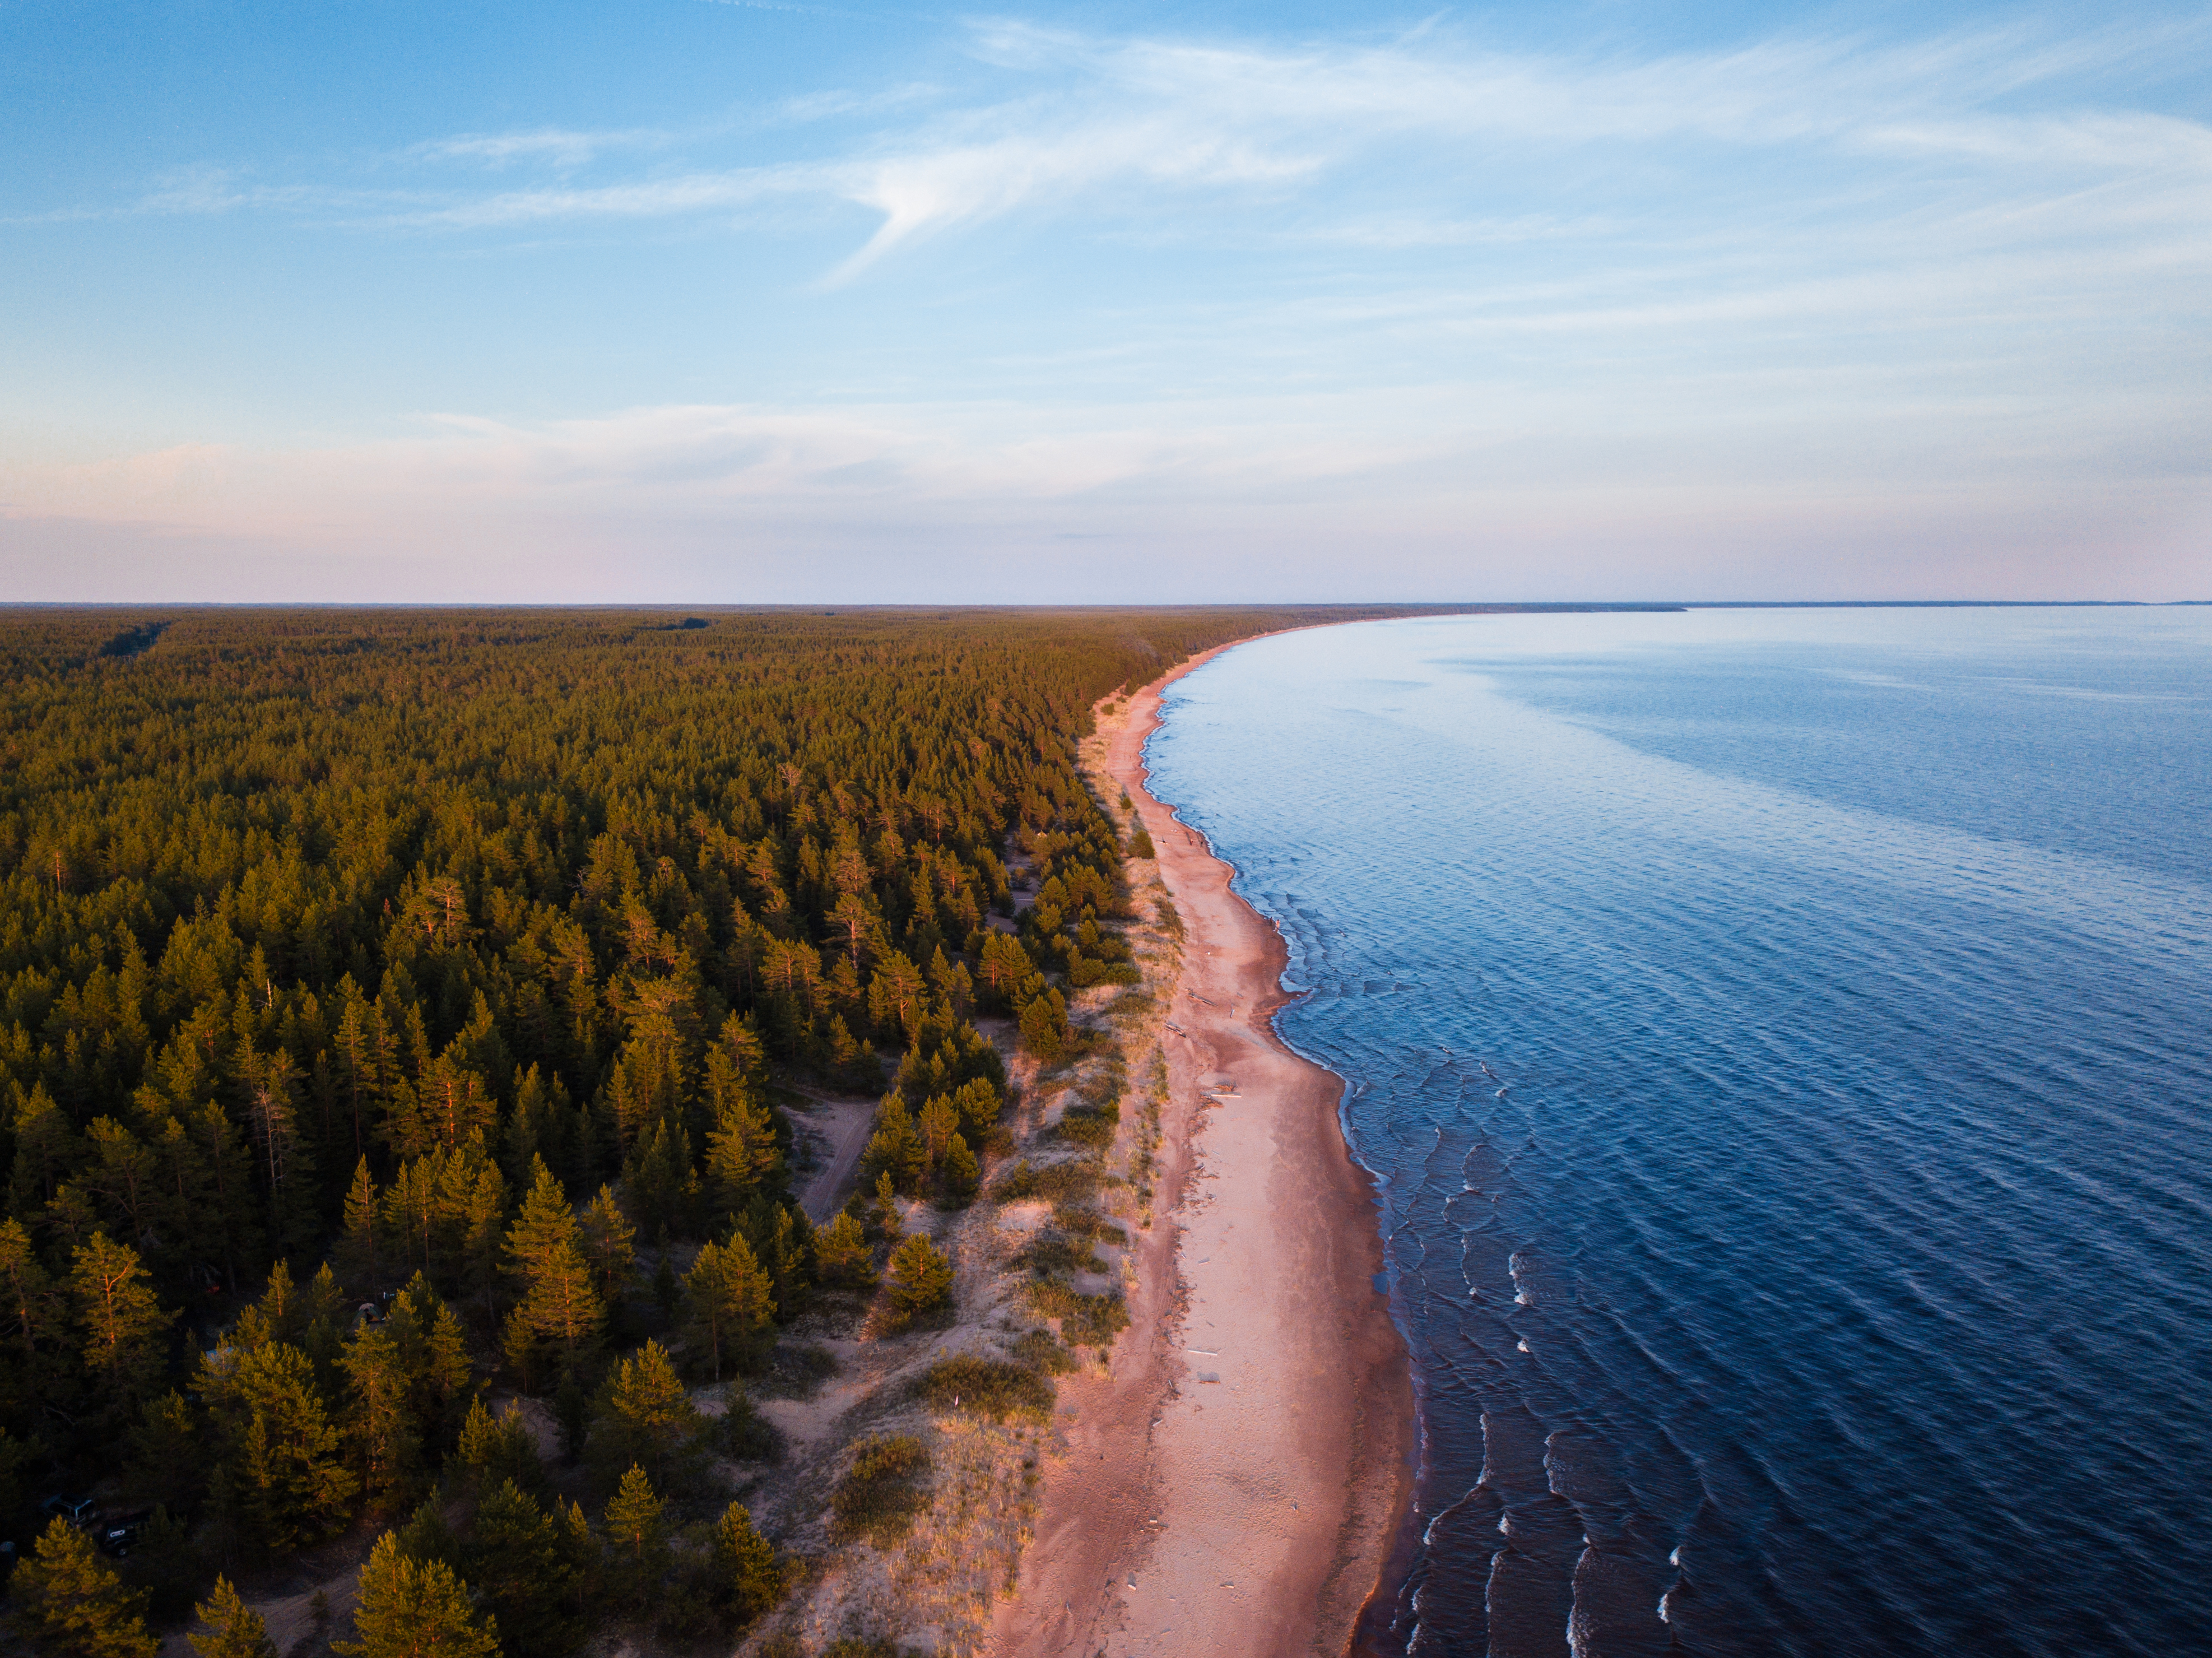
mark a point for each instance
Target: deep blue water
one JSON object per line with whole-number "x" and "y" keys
{"x": 1781, "y": 1040}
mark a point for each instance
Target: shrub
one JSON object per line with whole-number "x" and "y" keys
{"x": 745, "y": 1436}
{"x": 881, "y": 1494}
{"x": 1085, "y": 1321}
{"x": 1052, "y": 1253}
{"x": 1090, "y": 1125}
{"x": 1061, "y": 1182}
{"x": 991, "y": 1387}
{"x": 1040, "y": 1349}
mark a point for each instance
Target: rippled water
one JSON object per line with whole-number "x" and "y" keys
{"x": 1782, "y": 1041}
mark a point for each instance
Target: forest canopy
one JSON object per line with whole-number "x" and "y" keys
{"x": 438, "y": 960}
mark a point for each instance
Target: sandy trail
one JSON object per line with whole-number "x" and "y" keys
{"x": 845, "y": 1125}
{"x": 1232, "y": 1488}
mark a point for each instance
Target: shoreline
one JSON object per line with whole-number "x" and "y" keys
{"x": 1238, "y": 1482}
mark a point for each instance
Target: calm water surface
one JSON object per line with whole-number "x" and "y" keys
{"x": 1781, "y": 1038}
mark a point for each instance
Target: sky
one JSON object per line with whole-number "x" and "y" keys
{"x": 681, "y": 301}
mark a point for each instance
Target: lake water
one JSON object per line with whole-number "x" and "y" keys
{"x": 1781, "y": 1041}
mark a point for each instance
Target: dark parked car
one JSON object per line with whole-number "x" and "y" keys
{"x": 118, "y": 1535}
{"x": 79, "y": 1511}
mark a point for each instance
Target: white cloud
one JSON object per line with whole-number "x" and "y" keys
{"x": 551, "y": 145}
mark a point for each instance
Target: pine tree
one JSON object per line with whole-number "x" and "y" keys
{"x": 646, "y": 1416}
{"x": 380, "y": 1416}
{"x": 276, "y": 1317}
{"x": 609, "y": 1244}
{"x": 889, "y": 1216}
{"x": 637, "y": 1546}
{"x": 922, "y": 1277}
{"x": 121, "y": 1325}
{"x": 485, "y": 1222}
{"x": 732, "y": 1305}
{"x": 434, "y": 1349}
{"x": 502, "y": 1450}
{"x": 281, "y": 1479}
{"x": 559, "y": 1311}
{"x": 30, "y": 1311}
{"x": 360, "y": 1261}
{"x": 841, "y": 1252}
{"x": 72, "y": 1605}
{"x": 895, "y": 995}
{"x": 415, "y": 1609}
{"x": 895, "y": 1148}
{"x": 515, "y": 1558}
{"x": 166, "y": 1462}
{"x": 1044, "y": 1026}
{"x": 234, "y": 1629}
{"x": 745, "y": 1564}
{"x": 961, "y": 1173}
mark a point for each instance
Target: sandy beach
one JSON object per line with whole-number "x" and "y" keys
{"x": 1233, "y": 1486}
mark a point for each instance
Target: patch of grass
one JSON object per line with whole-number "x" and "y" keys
{"x": 991, "y": 1387}
{"x": 1090, "y": 1125}
{"x": 1131, "y": 1008}
{"x": 1040, "y": 1349}
{"x": 881, "y": 1493}
{"x": 1084, "y": 1321}
{"x": 1088, "y": 1223}
{"x": 1060, "y": 1182}
{"x": 1049, "y": 1253}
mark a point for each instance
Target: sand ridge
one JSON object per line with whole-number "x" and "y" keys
{"x": 1233, "y": 1486}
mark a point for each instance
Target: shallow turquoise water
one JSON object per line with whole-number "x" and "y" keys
{"x": 1781, "y": 1038}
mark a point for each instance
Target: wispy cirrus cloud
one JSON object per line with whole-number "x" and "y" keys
{"x": 1161, "y": 127}
{"x": 1133, "y": 126}
{"x": 550, "y": 146}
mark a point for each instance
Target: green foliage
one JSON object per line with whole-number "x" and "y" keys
{"x": 502, "y": 1450}
{"x": 733, "y": 1581}
{"x": 745, "y": 1435}
{"x": 841, "y": 1253}
{"x": 70, "y": 1603}
{"x": 381, "y": 934}
{"x": 1084, "y": 1321}
{"x": 960, "y": 1176}
{"x": 1090, "y": 1125}
{"x": 881, "y": 1493}
{"x": 1044, "y": 1027}
{"x": 635, "y": 1524}
{"x": 234, "y": 1629}
{"x": 560, "y": 1314}
{"x": 408, "y": 1608}
{"x": 1041, "y": 1351}
{"x": 1059, "y": 1182}
{"x": 990, "y": 1387}
{"x": 121, "y": 1328}
{"x": 516, "y": 1558}
{"x": 644, "y": 1416}
{"x": 733, "y": 1306}
{"x": 920, "y": 1276}
{"x": 1053, "y": 1253}
{"x": 280, "y": 1480}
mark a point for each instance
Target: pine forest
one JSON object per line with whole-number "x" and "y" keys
{"x": 407, "y": 1021}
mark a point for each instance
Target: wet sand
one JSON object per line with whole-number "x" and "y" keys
{"x": 1235, "y": 1486}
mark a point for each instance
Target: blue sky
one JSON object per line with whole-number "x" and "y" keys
{"x": 688, "y": 301}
